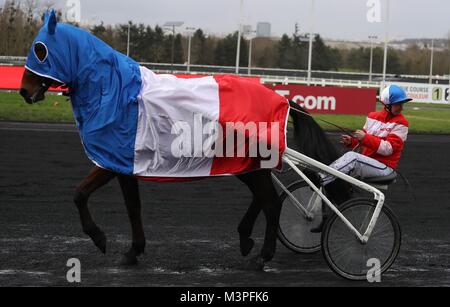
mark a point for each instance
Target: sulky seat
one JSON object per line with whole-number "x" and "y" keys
{"x": 382, "y": 180}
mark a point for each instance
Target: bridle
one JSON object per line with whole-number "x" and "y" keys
{"x": 45, "y": 84}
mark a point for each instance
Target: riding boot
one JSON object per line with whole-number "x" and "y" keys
{"x": 335, "y": 192}
{"x": 318, "y": 228}
{"x": 325, "y": 209}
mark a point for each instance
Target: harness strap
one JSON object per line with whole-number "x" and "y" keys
{"x": 343, "y": 129}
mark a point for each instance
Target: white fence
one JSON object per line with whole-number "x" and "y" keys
{"x": 291, "y": 76}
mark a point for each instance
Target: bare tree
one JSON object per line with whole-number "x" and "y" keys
{"x": 49, "y": 4}
{"x": 31, "y": 24}
{"x": 31, "y": 9}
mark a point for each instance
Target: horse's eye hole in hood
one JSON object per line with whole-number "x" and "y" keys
{"x": 41, "y": 52}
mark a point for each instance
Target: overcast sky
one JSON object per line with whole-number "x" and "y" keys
{"x": 336, "y": 19}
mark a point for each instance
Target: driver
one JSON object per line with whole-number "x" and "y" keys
{"x": 382, "y": 140}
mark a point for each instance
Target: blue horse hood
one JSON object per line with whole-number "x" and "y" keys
{"x": 104, "y": 87}
{"x": 76, "y": 57}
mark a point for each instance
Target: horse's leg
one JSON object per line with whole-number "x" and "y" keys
{"x": 130, "y": 191}
{"x": 247, "y": 223}
{"x": 245, "y": 228}
{"x": 266, "y": 197}
{"x": 97, "y": 178}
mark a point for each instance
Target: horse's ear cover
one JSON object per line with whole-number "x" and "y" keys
{"x": 50, "y": 22}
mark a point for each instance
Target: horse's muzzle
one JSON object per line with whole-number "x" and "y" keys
{"x": 24, "y": 93}
{"x": 36, "y": 97}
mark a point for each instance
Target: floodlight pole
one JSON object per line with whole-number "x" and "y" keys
{"x": 248, "y": 31}
{"x": 189, "y": 48}
{"x": 431, "y": 61}
{"x": 189, "y": 54}
{"x": 238, "y": 51}
{"x": 128, "y": 39}
{"x": 310, "y": 42}
{"x": 173, "y": 48}
{"x": 386, "y": 38}
{"x": 250, "y": 56}
{"x": 173, "y": 25}
{"x": 371, "y": 37}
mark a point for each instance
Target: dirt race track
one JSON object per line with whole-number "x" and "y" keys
{"x": 190, "y": 227}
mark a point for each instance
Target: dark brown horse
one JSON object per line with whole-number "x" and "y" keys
{"x": 312, "y": 142}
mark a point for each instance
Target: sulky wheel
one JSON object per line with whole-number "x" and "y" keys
{"x": 345, "y": 253}
{"x": 295, "y": 228}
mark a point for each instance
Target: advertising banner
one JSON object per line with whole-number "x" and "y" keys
{"x": 329, "y": 99}
{"x": 427, "y": 93}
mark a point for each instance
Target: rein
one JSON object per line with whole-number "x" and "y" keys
{"x": 343, "y": 129}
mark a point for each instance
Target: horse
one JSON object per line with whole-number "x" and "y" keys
{"x": 53, "y": 72}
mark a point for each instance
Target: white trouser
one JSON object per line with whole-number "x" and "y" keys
{"x": 358, "y": 166}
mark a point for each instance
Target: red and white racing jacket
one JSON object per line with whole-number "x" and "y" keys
{"x": 385, "y": 137}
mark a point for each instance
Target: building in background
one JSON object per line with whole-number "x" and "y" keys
{"x": 263, "y": 29}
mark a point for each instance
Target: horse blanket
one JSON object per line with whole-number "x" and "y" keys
{"x": 135, "y": 122}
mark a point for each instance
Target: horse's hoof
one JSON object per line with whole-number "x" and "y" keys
{"x": 137, "y": 248}
{"x": 255, "y": 264}
{"x": 246, "y": 245}
{"x": 100, "y": 242}
{"x": 129, "y": 260}
{"x": 99, "y": 238}
{"x": 102, "y": 246}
